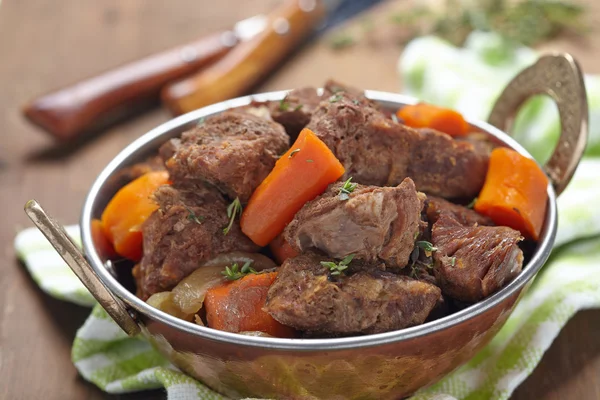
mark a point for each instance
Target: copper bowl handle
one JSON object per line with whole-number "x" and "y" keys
{"x": 56, "y": 235}
{"x": 558, "y": 76}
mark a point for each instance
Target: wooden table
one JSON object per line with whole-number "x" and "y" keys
{"x": 48, "y": 43}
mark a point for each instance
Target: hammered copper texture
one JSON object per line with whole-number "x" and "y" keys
{"x": 386, "y": 372}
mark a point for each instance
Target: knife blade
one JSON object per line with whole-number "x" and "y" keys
{"x": 72, "y": 110}
{"x": 244, "y": 66}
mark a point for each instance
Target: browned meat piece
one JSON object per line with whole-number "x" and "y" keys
{"x": 232, "y": 151}
{"x": 128, "y": 174}
{"x": 186, "y": 230}
{"x": 332, "y": 89}
{"x": 295, "y": 110}
{"x": 378, "y": 151}
{"x": 306, "y": 297}
{"x": 375, "y": 224}
{"x": 465, "y": 216}
{"x": 472, "y": 262}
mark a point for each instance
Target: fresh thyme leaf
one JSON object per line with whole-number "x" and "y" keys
{"x": 232, "y": 210}
{"x": 356, "y": 102}
{"x": 472, "y": 203}
{"x": 298, "y": 107}
{"x": 341, "y": 41}
{"x": 346, "y": 189}
{"x": 283, "y": 104}
{"x": 453, "y": 261}
{"x": 309, "y": 160}
{"x": 335, "y": 98}
{"x": 293, "y": 153}
{"x": 337, "y": 269}
{"x": 425, "y": 245}
{"x": 234, "y": 273}
{"x": 200, "y": 122}
{"x": 193, "y": 217}
{"x": 346, "y": 260}
{"x": 394, "y": 118}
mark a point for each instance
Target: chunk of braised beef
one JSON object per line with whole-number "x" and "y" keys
{"x": 473, "y": 262}
{"x": 435, "y": 206}
{"x": 376, "y": 150}
{"x": 295, "y": 110}
{"x": 232, "y": 151}
{"x": 375, "y": 224}
{"x": 369, "y": 300}
{"x": 186, "y": 230}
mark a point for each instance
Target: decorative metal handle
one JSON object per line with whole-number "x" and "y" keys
{"x": 558, "y": 76}
{"x": 56, "y": 235}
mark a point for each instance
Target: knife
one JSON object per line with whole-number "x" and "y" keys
{"x": 248, "y": 52}
{"x": 244, "y": 66}
{"x": 68, "y": 112}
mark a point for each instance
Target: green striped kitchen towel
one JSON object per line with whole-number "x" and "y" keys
{"x": 468, "y": 79}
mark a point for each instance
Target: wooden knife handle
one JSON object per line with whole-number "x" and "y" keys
{"x": 243, "y": 67}
{"x": 70, "y": 111}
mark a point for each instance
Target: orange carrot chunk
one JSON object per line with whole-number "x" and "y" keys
{"x": 128, "y": 209}
{"x": 237, "y": 306}
{"x": 300, "y": 175}
{"x": 425, "y": 115}
{"x": 281, "y": 249}
{"x": 514, "y": 193}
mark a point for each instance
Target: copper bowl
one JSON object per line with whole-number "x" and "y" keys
{"x": 383, "y": 366}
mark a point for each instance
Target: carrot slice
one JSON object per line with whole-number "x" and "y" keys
{"x": 281, "y": 249}
{"x": 514, "y": 193}
{"x": 237, "y": 306}
{"x": 128, "y": 209}
{"x": 425, "y": 115}
{"x": 300, "y": 175}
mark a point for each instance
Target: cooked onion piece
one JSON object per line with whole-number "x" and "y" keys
{"x": 189, "y": 294}
{"x": 164, "y": 302}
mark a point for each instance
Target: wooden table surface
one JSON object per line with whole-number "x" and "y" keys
{"x": 48, "y": 43}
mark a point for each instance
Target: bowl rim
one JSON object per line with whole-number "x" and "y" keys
{"x": 148, "y": 140}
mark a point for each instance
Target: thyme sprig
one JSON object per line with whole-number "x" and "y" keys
{"x": 234, "y": 272}
{"x": 340, "y": 267}
{"x": 346, "y": 189}
{"x": 193, "y": 217}
{"x": 293, "y": 153}
{"x": 232, "y": 210}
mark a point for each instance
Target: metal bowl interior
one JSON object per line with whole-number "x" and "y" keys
{"x": 104, "y": 188}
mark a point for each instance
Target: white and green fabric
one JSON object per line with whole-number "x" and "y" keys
{"x": 467, "y": 79}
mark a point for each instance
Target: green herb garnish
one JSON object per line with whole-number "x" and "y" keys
{"x": 283, "y": 104}
{"x": 337, "y": 269}
{"x": 293, "y": 153}
{"x": 193, "y": 217}
{"x": 335, "y": 98}
{"x": 200, "y": 122}
{"x": 356, "y": 102}
{"x": 347, "y": 188}
{"x": 232, "y": 210}
{"x": 453, "y": 261}
{"x": 425, "y": 245}
{"x": 298, "y": 107}
{"x": 234, "y": 273}
{"x": 309, "y": 160}
{"x": 394, "y": 118}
